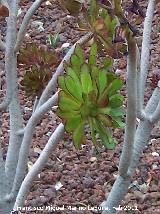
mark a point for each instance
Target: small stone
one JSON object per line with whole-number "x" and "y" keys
{"x": 26, "y": 109}
{"x": 48, "y": 134}
{"x": 48, "y": 3}
{"x": 65, "y": 45}
{"x": 92, "y": 159}
{"x": 155, "y": 154}
{"x": 118, "y": 72}
{"x": 154, "y": 166}
{"x": 58, "y": 185}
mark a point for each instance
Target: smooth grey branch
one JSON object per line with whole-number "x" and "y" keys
{"x": 25, "y": 22}
{"x": 27, "y": 139}
{"x": 121, "y": 185}
{"x": 155, "y": 116}
{"x": 38, "y": 165}
{"x": 131, "y": 107}
{"x": 145, "y": 53}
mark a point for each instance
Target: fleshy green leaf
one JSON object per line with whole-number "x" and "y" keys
{"x": 80, "y": 53}
{"x": 107, "y": 62}
{"x": 73, "y": 122}
{"x": 86, "y": 79}
{"x": 61, "y": 83}
{"x": 92, "y": 129}
{"x": 104, "y": 135}
{"x": 93, "y": 54}
{"x": 93, "y": 10}
{"x": 117, "y": 123}
{"x": 75, "y": 63}
{"x": 67, "y": 103}
{"x": 106, "y": 120}
{"x": 74, "y": 89}
{"x": 79, "y": 136}
{"x": 116, "y": 100}
{"x": 116, "y": 85}
{"x": 103, "y": 99}
{"x": 102, "y": 81}
{"x": 106, "y": 110}
{"x": 117, "y": 112}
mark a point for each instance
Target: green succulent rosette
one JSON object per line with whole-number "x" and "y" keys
{"x": 90, "y": 95}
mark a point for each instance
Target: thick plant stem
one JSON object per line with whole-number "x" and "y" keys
{"x": 144, "y": 132}
{"x": 155, "y": 117}
{"x": 121, "y": 185}
{"x": 27, "y": 139}
{"x": 16, "y": 123}
{"x": 16, "y": 120}
{"x": 142, "y": 135}
{"x": 6, "y": 207}
{"x": 38, "y": 166}
{"x": 25, "y": 22}
{"x": 9, "y": 58}
{"x": 131, "y": 108}
{"x": 3, "y": 180}
{"x": 145, "y": 54}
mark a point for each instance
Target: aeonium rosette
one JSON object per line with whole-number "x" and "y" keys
{"x": 90, "y": 95}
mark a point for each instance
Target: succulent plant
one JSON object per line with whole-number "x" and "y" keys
{"x": 103, "y": 23}
{"x": 35, "y": 80}
{"x": 89, "y": 95}
{"x": 38, "y": 63}
{"x": 53, "y": 40}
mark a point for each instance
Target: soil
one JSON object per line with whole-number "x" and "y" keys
{"x": 81, "y": 178}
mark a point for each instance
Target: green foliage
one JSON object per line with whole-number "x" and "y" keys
{"x": 38, "y": 63}
{"x": 53, "y": 40}
{"x": 73, "y": 6}
{"x": 105, "y": 26}
{"x": 89, "y": 95}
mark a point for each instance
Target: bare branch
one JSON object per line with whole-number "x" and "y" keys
{"x": 142, "y": 135}
{"x": 35, "y": 103}
{"x": 155, "y": 117}
{"x": 3, "y": 180}
{"x": 140, "y": 112}
{"x": 38, "y": 165}
{"x": 21, "y": 132}
{"x": 131, "y": 107}
{"x": 27, "y": 139}
{"x": 13, "y": 5}
{"x": 51, "y": 87}
{"x": 9, "y": 59}
{"x": 145, "y": 54}
{"x": 144, "y": 130}
{"x": 25, "y": 22}
{"x": 12, "y": 96}
{"x": 15, "y": 140}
